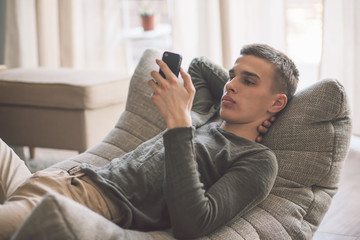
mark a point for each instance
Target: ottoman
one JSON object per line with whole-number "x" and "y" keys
{"x": 59, "y": 108}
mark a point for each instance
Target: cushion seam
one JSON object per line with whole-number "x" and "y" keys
{"x": 332, "y": 154}
{"x": 276, "y": 220}
{"x": 144, "y": 118}
{"x": 284, "y": 149}
{"x": 291, "y": 180}
{"x": 228, "y": 226}
{"x": 130, "y": 133}
{"x": 112, "y": 144}
{"x": 291, "y": 202}
{"x": 97, "y": 155}
{"x": 252, "y": 225}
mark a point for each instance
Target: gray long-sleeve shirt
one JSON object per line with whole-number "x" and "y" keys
{"x": 192, "y": 179}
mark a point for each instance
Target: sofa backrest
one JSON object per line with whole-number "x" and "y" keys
{"x": 310, "y": 139}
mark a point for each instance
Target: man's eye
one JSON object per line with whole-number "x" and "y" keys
{"x": 231, "y": 78}
{"x": 248, "y": 82}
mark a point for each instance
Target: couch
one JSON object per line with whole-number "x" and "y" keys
{"x": 59, "y": 108}
{"x": 310, "y": 139}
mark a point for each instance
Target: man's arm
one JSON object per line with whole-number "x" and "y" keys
{"x": 195, "y": 211}
{"x": 209, "y": 80}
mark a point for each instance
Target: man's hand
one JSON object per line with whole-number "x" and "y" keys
{"x": 173, "y": 100}
{"x": 264, "y": 128}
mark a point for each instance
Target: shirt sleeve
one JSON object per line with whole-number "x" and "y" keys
{"x": 209, "y": 80}
{"x": 195, "y": 212}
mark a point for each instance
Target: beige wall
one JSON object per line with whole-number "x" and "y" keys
{"x": 2, "y": 29}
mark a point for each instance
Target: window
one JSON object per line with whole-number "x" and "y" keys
{"x": 303, "y": 32}
{"x": 304, "y": 28}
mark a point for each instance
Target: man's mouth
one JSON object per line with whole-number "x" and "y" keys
{"x": 228, "y": 99}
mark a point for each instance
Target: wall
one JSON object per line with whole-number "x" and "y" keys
{"x": 2, "y": 29}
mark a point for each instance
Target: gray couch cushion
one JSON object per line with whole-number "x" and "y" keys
{"x": 58, "y": 217}
{"x": 310, "y": 138}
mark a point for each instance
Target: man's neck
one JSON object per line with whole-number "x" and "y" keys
{"x": 248, "y": 131}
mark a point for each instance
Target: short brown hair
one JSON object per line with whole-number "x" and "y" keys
{"x": 287, "y": 75}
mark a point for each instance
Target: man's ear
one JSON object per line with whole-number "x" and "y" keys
{"x": 279, "y": 103}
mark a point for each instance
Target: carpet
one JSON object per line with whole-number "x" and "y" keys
{"x": 45, "y": 157}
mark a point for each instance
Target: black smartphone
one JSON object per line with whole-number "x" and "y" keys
{"x": 173, "y": 60}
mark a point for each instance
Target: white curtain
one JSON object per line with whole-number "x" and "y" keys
{"x": 65, "y": 33}
{"x": 341, "y": 50}
{"x": 87, "y": 33}
{"x": 219, "y": 28}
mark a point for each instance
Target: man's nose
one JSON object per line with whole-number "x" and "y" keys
{"x": 230, "y": 86}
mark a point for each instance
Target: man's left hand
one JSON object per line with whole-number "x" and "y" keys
{"x": 264, "y": 128}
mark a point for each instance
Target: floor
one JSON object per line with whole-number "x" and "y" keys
{"x": 342, "y": 221}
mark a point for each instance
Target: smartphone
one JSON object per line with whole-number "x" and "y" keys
{"x": 173, "y": 60}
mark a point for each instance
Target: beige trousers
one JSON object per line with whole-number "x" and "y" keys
{"x": 20, "y": 191}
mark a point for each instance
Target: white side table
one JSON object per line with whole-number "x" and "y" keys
{"x": 137, "y": 41}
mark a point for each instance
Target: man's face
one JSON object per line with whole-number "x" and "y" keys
{"x": 247, "y": 95}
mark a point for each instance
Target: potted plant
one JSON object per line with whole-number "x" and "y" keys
{"x": 147, "y": 16}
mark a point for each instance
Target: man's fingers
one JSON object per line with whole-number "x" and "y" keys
{"x": 158, "y": 79}
{"x": 266, "y": 123}
{"x": 154, "y": 86}
{"x": 262, "y": 129}
{"x": 165, "y": 69}
{"x": 258, "y": 139}
{"x": 189, "y": 86}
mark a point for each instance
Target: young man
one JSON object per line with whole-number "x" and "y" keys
{"x": 192, "y": 179}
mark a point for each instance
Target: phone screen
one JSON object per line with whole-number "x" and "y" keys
{"x": 173, "y": 60}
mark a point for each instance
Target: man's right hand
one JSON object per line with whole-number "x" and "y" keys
{"x": 173, "y": 100}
